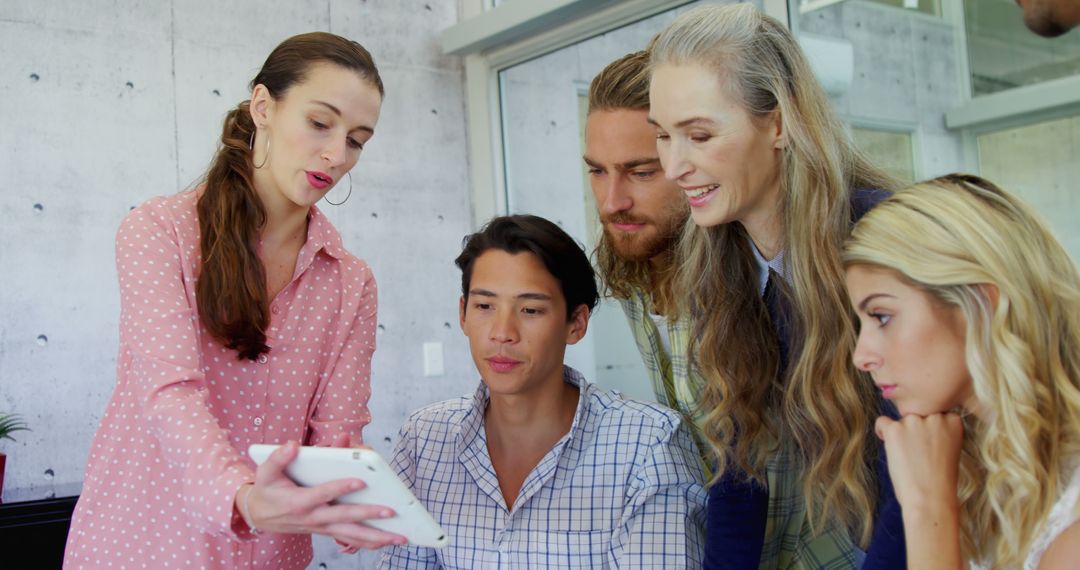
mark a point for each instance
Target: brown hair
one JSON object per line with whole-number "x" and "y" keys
{"x": 624, "y": 84}
{"x": 561, "y": 255}
{"x": 231, "y": 288}
{"x": 819, "y": 409}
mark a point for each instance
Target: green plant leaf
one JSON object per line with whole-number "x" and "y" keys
{"x": 10, "y": 423}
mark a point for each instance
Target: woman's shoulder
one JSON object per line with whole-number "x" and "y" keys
{"x": 326, "y": 237}
{"x": 1062, "y": 521}
{"x": 1063, "y": 552}
{"x": 356, "y": 270}
{"x": 174, "y": 213}
{"x": 864, "y": 199}
{"x": 162, "y": 226}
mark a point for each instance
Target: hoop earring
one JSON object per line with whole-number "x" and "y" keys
{"x": 251, "y": 147}
{"x": 326, "y": 197}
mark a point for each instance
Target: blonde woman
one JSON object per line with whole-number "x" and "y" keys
{"x": 774, "y": 187}
{"x": 970, "y": 323}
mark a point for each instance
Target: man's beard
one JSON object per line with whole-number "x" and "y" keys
{"x": 644, "y": 245}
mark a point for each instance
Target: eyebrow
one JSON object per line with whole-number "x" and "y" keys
{"x": 686, "y": 122}
{"x": 633, "y": 163}
{"x": 866, "y": 301}
{"x": 529, "y": 296}
{"x": 338, "y": 113}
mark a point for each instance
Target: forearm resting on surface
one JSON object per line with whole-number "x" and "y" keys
{"x": 933, "y": 536}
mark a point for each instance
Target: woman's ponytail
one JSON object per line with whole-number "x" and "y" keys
{"x": 231, "y": 289}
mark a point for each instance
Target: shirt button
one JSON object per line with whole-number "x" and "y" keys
{"x": 274, "y": 309}
{"x": 263, "y": 358}
{"x": 257, "y": 421}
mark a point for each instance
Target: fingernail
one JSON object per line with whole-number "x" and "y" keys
{"x": 386, "y": 513}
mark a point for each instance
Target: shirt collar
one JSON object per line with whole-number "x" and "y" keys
{"x": 776, "y": 264}
{"x": 473, "y": 423}
{"x": 321, "y": 235}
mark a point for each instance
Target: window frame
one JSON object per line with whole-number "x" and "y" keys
{"x": 494, "y": 38}
{"x": 913, "y": 130}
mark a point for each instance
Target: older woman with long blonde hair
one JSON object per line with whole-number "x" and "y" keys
{"x": 774, "y": 185}
{"x": 970, "y": 314}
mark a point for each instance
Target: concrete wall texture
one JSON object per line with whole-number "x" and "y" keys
{"x": 906, "y": 75}
{"x": 106, "y": 103}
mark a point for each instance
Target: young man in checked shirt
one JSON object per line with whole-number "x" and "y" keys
{"x": 539, "y": 468}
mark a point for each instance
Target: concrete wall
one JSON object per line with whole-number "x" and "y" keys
{"x": 106, "y": 103}
{"x": 1038, "y": 163}
{"x": 906, "y": 74}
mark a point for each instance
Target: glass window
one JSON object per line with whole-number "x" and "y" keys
{"x": 906, "y": 71}
{"x": 1039, "y": 163}
{"x": 1004, "y": 54}
{"x": 928, "y": 7}
{"x": 891, "y": 151}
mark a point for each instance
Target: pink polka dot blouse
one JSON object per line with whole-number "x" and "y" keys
{"x": 170, "y": 453}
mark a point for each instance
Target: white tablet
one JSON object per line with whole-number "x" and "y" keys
{"x": 317, "y": 465}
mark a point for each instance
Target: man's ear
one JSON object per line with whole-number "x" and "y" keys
{"x": 262, "y": 106}
{"x": 578, "y": 325}
{"x": 461, "y": 313}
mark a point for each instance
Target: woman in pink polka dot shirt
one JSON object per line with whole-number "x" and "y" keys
{"x": 243, "y": 320}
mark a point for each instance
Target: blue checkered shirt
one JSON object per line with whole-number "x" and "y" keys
{"x": 622, "y": 489}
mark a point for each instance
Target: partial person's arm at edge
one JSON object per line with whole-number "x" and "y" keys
{"x": 404, "y": 464}
{"x": 159, "y": 350}
{"x": 663, "y": 520}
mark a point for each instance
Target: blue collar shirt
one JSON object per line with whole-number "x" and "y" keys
{"x": 623, "y": 488}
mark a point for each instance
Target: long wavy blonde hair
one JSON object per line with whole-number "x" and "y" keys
{"x": 817, "y": 406}
{"x": 951, "y": 237}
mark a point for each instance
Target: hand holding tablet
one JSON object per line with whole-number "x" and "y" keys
{"x": 317, "y": 465}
